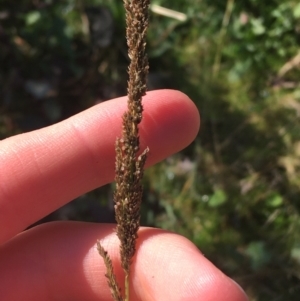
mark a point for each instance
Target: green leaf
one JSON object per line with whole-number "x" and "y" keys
{"x": 217, "y": 199}
{"x": 33, "y": 17}
{"x": 257, "y": 26}
{"x": 258, "y": 253}
{"x": 275, "y": 201}
{"x": 296, "y": 11}
{"x": 295, "y": 252}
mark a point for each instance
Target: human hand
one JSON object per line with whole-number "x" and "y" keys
{"x": 45, "y": 169}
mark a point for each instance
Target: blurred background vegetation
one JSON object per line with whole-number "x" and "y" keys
{"x": 235, "y": 192}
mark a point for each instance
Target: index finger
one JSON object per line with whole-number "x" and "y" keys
{"x": 44, "y": 169}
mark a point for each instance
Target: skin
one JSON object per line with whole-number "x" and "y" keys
{"x": 44, "y": 169}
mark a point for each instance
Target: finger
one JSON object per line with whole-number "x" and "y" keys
{"x": 170, "y": 267}
{"x": 44, "y": 169}
{"x": 59, "y": 261}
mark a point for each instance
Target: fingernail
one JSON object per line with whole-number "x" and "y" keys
{"x": 240, "y": 288}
